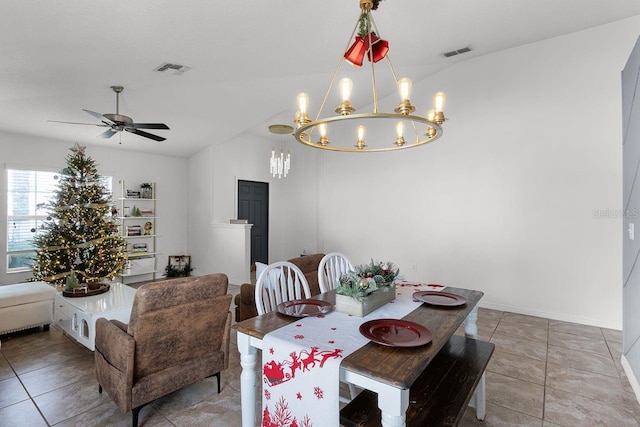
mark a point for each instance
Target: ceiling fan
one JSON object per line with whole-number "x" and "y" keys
{"x": 118, "y": 122}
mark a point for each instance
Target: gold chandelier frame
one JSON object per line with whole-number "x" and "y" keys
{"x": 419, "y": 130}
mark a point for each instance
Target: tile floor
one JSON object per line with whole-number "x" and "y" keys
{"x": 543, "y": 373}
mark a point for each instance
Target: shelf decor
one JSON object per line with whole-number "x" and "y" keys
{"x": 138, "y": 226}
{"x": 367, "y": 288}
{"x": 178, "y": 266}
{"x": 146, "y": 190}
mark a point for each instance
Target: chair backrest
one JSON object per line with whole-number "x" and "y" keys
{"x": 178, "y": 320}
{"x": 332, "y": 266}
{"x": 279, "y": 282}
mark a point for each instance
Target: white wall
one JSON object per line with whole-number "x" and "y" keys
{"x": 505, "y": 201}
{"x": 169, "y": 173}
{"x": 213, "y": 176}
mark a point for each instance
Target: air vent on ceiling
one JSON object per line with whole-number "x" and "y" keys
{"x": 457, "y": 52}
{"x": 175, "y": 69}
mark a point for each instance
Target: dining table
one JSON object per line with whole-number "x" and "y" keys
{"x": 386, "y": 370}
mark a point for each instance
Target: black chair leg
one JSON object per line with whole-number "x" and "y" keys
{"x": 217, "y": 375}
{"x": 134, "y": 415}
{"x": 100, "y": 388}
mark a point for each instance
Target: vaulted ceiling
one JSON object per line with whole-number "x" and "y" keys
{"x": 248, "y": 59}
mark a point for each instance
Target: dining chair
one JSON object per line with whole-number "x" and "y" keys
{"x": 331, "y": 267}
{"x": 279, "y": 282}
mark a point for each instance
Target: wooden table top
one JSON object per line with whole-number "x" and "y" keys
{"x": 396, "y": 366}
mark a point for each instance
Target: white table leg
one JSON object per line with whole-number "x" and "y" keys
{"x": 248, "y": 357}
{"x": 471, "y": 331}
{"x": 393, "y": 406}
{"x": 470, "y": 324}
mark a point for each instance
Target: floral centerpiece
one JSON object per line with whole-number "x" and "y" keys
{"x": 366, "y": 288}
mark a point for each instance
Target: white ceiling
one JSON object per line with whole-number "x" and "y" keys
{"x": 250, "y": 58}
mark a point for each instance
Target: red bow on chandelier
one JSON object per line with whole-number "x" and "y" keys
{"x": 377, "y": 50}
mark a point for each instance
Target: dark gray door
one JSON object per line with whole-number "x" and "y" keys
{"x": 253, "y": 204}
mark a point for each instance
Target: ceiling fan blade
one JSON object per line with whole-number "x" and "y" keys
{"x": 145, "y": 134}
{"x": 99, "y": 116}
{"x": 148, "y": 126}
{"x": 107, "y": 133}
{"x": 77, "y": 123}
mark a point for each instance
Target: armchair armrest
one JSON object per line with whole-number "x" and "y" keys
{"x": 116, "y": 345}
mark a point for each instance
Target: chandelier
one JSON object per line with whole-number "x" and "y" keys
{"x": 279, "y": 165}
{"x": 391, "y": 130}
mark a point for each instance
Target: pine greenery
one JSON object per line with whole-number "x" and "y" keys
{"x": 80, "y": 235}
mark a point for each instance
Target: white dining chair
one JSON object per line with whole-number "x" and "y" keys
{"x": 279, "y": 282}
{"x": 331, "y": 267}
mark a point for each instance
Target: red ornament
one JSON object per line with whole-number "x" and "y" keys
{"x": 377, "y": 51}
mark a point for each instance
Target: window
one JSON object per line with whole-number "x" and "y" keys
{"x": 28, "y": 195}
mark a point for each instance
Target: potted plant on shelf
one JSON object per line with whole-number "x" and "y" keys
{"x": 367, "y": 288}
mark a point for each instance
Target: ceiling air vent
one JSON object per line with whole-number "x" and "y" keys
{"x": 457, "y": 52}
{"x": 175, "y": 69}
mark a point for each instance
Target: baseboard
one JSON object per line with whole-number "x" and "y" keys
{"x": 632, "y": 379}
{"x": 554, "y": 316}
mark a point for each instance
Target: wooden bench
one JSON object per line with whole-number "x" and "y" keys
{"x": 441, "y": 393}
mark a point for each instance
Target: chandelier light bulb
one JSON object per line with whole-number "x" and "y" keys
{"x": 346, "y": 87}
{"x": 322, "y": 128}
{"x": 404, "y": 89}
{"x": 303, "y": 103}
{"x": 438, "y": 102}
{"x": 400, "y": 134}
{"x": 360, "y": 142}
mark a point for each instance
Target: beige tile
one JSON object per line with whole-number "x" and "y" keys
{"x": 578, "y": 342}
{"x": 498, "y": 416}
{"x": 520, "y": 330}
{"x": 11, "y": 392}
{"x": 222, "y": 411}
{"x": 108, "y": 414}
{"x": 71, "y": 400}
{"x": 30, "y": 361}
{"x": 488, "y": 314}
{"x": 581, "y": 360}
{"x": 24, "y": 413}
{"x": 5, "y": 369}
{"x": 190, "y": 395}
{"x": 521, "y": 347}
{"x": 515, "y": 394}
{"x": 575, "y": 329}
{"x": 525, "y": 320}
{"x": 515, "y": 366}
{"x": 612, "y": 336}
{"x": 489, "y": 318}
{"x": 567, "y": 409}
{"x": 59, "y": 375}
{"x": 587, "y": 384}
{"x": 31, "y": 341}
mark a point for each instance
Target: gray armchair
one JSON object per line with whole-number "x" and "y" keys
{"x": 178, "y": 334}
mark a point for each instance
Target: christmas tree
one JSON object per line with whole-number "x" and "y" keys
{"x": 80, "y": 235}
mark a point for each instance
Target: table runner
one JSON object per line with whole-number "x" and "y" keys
{"x": 301, "y": 361}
